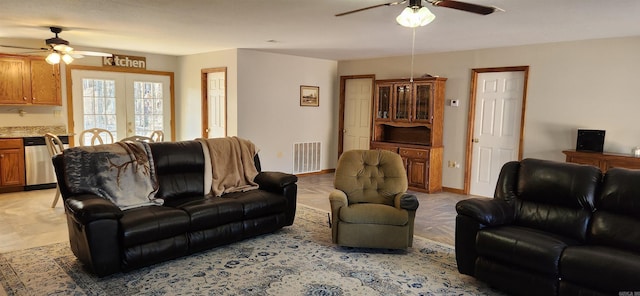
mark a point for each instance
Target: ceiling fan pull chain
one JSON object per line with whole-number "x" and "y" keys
{"x": 413, "y": 46}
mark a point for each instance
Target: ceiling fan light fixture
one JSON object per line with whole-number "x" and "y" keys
{"x": 53, "y": 58}
{"x": 412, "y": 17}
{"x": 67, "y": 58}
{"x": 62, "y": 48}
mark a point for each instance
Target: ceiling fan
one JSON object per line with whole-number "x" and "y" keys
{"x": 416, "y": 4}
{"x": 59, "y": 48}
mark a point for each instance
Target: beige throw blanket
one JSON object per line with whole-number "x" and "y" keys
{"x": 232, "y": 165}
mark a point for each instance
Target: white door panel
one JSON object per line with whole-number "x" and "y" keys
{"x": 216, "y": 105}
{"x": 496, "y": 135}
{"x": 357, "y": 114}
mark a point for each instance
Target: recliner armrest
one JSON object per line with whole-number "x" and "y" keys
{"x": 275, "y": 181}
{"x": 88, "y": 207}
{"x": 487, "y": 211}
{"x": 407, "y": 201}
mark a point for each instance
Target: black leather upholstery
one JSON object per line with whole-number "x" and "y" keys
{"x": 107, "y": 240}
{"x": 554, "y": 229}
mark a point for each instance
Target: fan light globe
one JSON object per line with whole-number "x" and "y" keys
{"x": 53, "y": 58}
{"x": 412, "y": 17}
{"x": 67, "y": 58}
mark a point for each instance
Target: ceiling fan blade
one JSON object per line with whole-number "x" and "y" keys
{"x": 469, "y": 7}
{"x": 81, "y": 53}
{"x": 370, "y": 7}
{"x": 23, "y": 47}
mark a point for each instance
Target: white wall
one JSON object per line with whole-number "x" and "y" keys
{"x": 269, "y": 111}
{"x": 571, "y": 85}
{"x": 189, "y": 92}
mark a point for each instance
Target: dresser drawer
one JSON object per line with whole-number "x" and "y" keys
{"x": 414, "y": 153}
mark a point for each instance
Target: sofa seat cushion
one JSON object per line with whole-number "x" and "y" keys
{"x": 233, "y": 207}
{"x": 370, "y": 213}
{"x": 527, "y": 248}
{"x": 152, "y": 223}
{"x": 601, "y": 268}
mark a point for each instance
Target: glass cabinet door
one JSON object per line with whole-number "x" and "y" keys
{"x": 402, "y": 102}
{"x": 423, "y": 102}
{"x": 383, "y": 102}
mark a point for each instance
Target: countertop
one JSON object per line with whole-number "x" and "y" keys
{"x": 13, "y": 132}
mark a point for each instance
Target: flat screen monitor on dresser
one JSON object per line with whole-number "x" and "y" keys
{"x": 590, "y": 140}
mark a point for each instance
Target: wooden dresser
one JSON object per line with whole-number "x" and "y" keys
{"x": 603, "y": 160}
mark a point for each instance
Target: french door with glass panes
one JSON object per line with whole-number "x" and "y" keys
{"x": 126, "y": 104}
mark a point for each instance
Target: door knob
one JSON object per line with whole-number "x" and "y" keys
{"x": 476, "y": 140}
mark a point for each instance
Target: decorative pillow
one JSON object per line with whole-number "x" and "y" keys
{"x": 122, "y": 172}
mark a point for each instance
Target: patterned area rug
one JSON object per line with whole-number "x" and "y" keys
{"x": 297, "y": 260}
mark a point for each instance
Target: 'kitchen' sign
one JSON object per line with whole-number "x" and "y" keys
{"x": 125, "y": 61}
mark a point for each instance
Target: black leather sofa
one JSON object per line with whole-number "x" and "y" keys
{"x": 108, "y": 240}
{"x": 554, "y": 229}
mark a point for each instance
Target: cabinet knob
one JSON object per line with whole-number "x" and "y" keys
{"x": 24, "y": 98}
{"x": 34, "y": 99}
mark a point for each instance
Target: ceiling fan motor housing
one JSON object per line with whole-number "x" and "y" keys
{"x": 56, "y": 40}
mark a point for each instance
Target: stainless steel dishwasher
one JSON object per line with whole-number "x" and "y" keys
{"x": 39, "y": 170}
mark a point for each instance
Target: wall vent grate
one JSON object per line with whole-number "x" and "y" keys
{"x": 306, "y": 157}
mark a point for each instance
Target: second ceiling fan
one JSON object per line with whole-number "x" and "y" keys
{"x": 417, "y": 4}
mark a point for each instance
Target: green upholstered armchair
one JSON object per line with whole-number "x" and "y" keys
{"x": 370, "y": 207}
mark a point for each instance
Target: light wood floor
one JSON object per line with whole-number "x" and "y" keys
{"x": 27, "y": 220}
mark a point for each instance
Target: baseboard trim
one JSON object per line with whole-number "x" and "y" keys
{"x": 453, "y": 190}
{"x": 322, "y": 172}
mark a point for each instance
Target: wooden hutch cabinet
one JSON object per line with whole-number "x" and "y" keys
{"x": 408, "y": 120}
{"x": 29, "y": 80}
{"x": 11, "y": 164}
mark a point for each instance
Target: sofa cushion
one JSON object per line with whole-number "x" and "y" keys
{"x": 556, "y": 197}
{"x": 601, "y": 268}
{"x": 180, "y": 169}
{"x": 527, "y": 248}
{"x": 152, "y": 223}
{"x": 232, "y": 207}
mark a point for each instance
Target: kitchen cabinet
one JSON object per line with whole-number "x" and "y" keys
{"x": 29, "y": 80}
{"x": 11, "y": 164}
{"x": 408, "y": 120}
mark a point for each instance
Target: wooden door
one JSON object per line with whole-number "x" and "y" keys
{"x": 11, "y": 167}
{"x": 214, "y": 101}
{"x": 14, "y": 84}
{"x": 497, "y": 127}
{"x": 357, "y": 114}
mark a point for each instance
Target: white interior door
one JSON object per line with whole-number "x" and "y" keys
{"x": 357, "y": 114}
{"x": 125, "y": 104}
{"x": 216, "y": 98}
{"x": 496, "y": 134}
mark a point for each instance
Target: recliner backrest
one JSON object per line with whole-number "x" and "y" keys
{"x": 616, "y": 221}
{"x": 370, "y": 176}
{"x": 180, "y": 168}
{"x": 553, "y": 196}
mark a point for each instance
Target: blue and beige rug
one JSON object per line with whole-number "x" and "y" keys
{"x": 297, "y": 260}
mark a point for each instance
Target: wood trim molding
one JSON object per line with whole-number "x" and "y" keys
{"x": 205, "y": 99}
{"x": 453, "y": 190}
{"x": 322, "y": 172}
{"x": 343, "y": 81}
{"x": 472, "y": 116}
{"x": 69, "y": 86}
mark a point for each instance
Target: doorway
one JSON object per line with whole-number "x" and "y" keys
{"x": 124, "y": 103}
{"x": 495, "y": 126}
{"x": 356, "y": 96}
{"x": 214, "y": 102}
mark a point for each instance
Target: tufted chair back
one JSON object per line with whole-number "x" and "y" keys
{"x": 370, "y": 176}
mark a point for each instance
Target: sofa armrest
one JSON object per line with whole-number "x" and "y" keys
{"x": 487, "y": 211}
{"x": 406, "y": 201}
{"x": 275, "y": 181}
{"x": 88, "y": 207}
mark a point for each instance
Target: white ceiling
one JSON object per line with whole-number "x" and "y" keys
{"x": 309, "y": 27}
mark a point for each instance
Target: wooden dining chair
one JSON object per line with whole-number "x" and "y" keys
{"x": 95, "y": 136}
{"x": 157, "y": 136}
{"x": 137, "y": 139}
{"x": 55, "y": 147}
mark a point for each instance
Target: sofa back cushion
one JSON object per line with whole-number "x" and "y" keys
{"x": 616, "y": 221}
{"x": 179, "y": 168}
{"x": 556, "y": 197}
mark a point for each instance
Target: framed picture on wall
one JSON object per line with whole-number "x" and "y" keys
{"x": 309, "y": 96}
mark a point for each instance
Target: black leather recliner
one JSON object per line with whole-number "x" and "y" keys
{"x": 553, "y": 229}
{"x": 107, "y": 239}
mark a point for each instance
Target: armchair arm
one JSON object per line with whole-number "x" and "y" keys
{"x": 338, "y": 199}
{"x": 86, "y": 208}
{"x": 406, "y": 201}
{"x": 487, "y": 211}
{"x": 275, "y": 181}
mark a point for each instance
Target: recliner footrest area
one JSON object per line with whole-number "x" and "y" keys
{"x": 519, "y": 246}
{"x": 152, "y": 223}
{"x": 369, "y": 213}
{"x": 608, "y": 269}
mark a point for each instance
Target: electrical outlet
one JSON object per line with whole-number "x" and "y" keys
{"x": 455, "y": 103}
